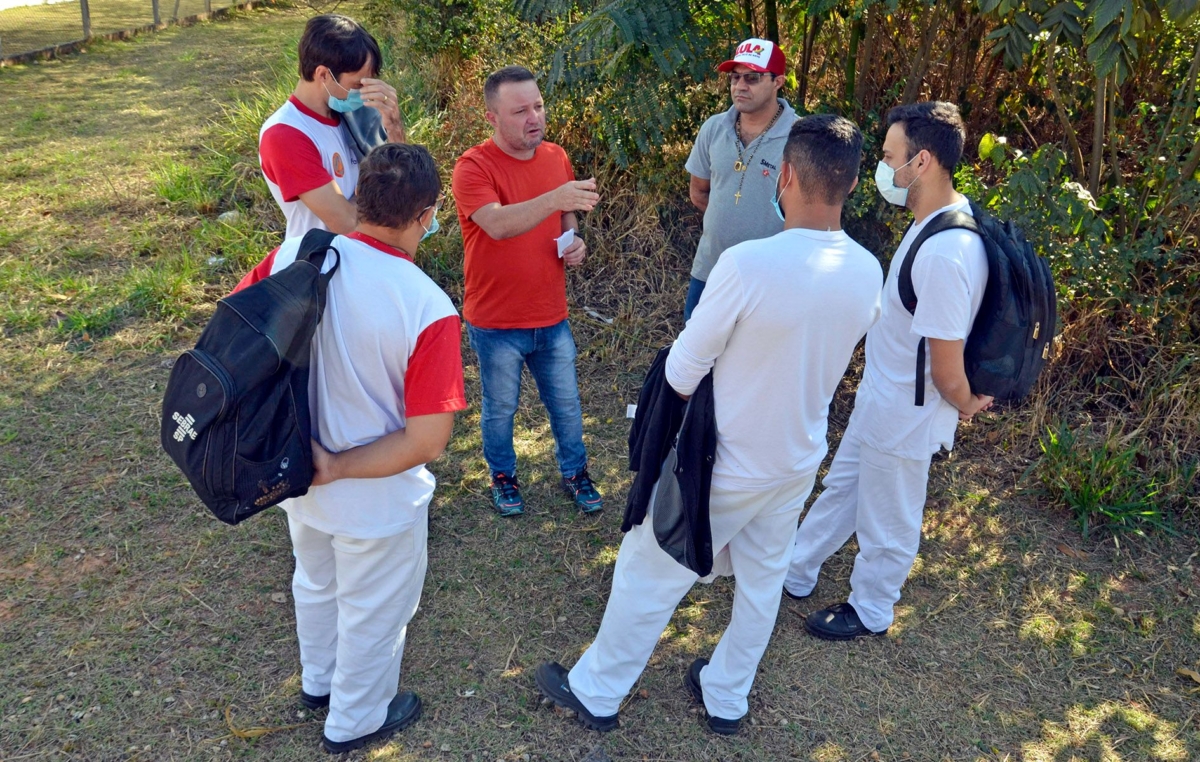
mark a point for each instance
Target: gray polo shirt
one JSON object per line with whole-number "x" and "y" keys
{"x": 728, "y": 220}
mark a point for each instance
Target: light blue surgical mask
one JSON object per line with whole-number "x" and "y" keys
{"x": 434, "y": 227}
{"x": 778, "y": 195}
{"x": 885, "y": 180}
{"x": 352, "y": 102}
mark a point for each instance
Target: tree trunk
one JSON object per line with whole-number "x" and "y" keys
{"x": 1063, "y": 117}
{"x": 920, "y": 64}
{"x": 856, "y": 35}
{"x": 772, "y": 17}
{"x": 748, "y": 9}
{"x": 1100, "y": 97}
{"x": 866, "y": 53}
{"x": 810, "y": 39}
{"x": 1112, "y": 130}
{"x": 1192, "y": 164}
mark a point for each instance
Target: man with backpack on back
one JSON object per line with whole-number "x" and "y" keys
{"x": 386, "y": 379}
{"x": 876, "y": 484}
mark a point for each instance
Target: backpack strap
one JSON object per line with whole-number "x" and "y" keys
{"x": 908, "y": 295}
{"x": 313, "y": 249}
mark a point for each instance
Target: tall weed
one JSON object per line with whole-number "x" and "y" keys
{"x": 1100, "y": 480}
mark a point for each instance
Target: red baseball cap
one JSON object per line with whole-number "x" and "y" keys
{"x": 757, "y": 55}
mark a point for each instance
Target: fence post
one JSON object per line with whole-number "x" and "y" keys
{"x": 208, "y": 7}
{"x": 86, "y": 12}
{"x": 157, "y": 18}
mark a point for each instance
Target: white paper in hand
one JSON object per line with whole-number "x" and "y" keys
{"x": 565, "y": 240}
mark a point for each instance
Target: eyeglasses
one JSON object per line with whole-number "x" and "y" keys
{"x": 750, "y": 78}
{"x": 436, "y": 205}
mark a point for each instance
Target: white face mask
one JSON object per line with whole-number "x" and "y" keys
{"x": 885, "y": 178}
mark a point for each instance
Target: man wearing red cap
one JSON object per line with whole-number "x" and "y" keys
{"x": 736, "y": 159}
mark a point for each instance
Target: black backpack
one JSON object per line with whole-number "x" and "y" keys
{"x": 235, "y": 412}
{"x": 1010, "y": 339}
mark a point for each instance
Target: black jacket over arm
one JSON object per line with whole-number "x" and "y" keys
{"x": 661, "y": 415}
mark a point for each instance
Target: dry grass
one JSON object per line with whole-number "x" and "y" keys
{"x": 132, "y": 625}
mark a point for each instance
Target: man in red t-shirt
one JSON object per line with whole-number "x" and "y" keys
{"x": 517, "y": 197}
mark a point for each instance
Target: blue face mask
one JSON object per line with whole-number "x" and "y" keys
{"x": 433, "y": 228}
{"x": 775, "y": 199}
{"x": 352, "y": 102}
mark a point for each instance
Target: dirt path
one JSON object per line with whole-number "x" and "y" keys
{"x": 130, "y": 621}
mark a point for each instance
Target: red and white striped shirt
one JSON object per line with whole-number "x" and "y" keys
{"x": 387, "y": 348}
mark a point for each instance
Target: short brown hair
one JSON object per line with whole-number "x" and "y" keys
{"x": 396, "y": 183}
{"x": 509, "y": 74}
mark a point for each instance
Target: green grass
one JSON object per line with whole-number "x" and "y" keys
{"x": 131, "y": 621}
{"x": 33, "y": 27}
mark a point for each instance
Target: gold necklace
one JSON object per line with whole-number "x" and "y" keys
{"x": 741, "y": 166}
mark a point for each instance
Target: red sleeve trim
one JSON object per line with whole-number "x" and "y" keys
{"x": 291, "y": 160}
{"x": 260, "y": 272}
{"x": 433, "y": 382}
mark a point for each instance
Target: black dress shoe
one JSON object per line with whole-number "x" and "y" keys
{"x": 314, "y": 702}
{"x": 789, "y": 594}
{"x": 838, "y": 622}
{"x": 551, "y": 679}
{"x": 717, "y": 725}
{"x": 404, "y": 710}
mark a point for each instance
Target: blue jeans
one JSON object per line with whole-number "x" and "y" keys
{"x": 695, "y": 289}
{"x": 550, "y": 354}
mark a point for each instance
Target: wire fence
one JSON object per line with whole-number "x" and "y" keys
{"x": 28, "y": 26}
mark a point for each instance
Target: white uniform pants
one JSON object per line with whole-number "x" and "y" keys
{"x": 648, "y": 584}
{"x": 354, "y": 599}
{"x": 879, "y": 497}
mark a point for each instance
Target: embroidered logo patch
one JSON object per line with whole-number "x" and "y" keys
{"x": 339, "y": 169}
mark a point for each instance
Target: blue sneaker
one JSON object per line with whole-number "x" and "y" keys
{"x": 506, "y": 495}
{"x": 580, "y": 489}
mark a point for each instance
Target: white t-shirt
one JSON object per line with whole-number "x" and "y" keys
{"x": 300, "y": 151}
{"x": 388, "y": 347}
{"x": 949, "y": 275}
{"x": 777, "y": 324}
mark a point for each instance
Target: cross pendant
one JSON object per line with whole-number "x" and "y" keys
{"x": 737, "y": 197}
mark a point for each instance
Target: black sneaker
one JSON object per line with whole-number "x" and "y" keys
{"x": 404, "y": 710}
{"x": 314, "y": 702}
{"x": 718, "y": 725}
{"x": 506, "y": 495}
{"x": 581, "y": 490}
{"x": 839, "y": 622}
{"x": 551, "y": 679}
